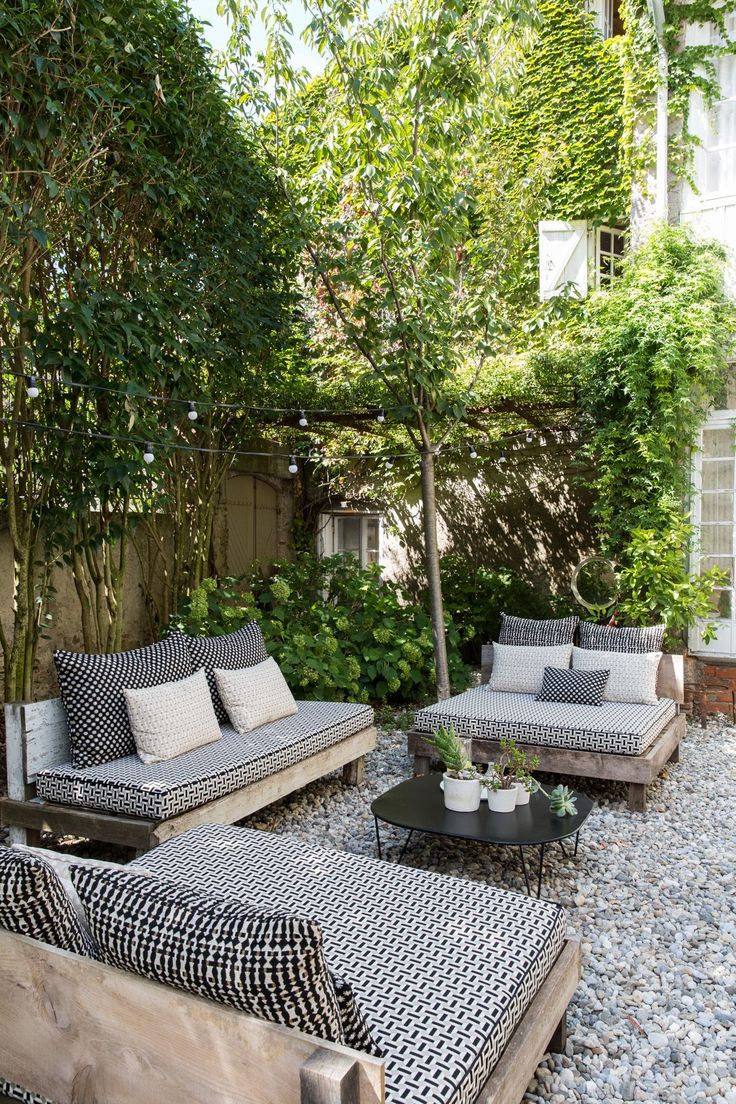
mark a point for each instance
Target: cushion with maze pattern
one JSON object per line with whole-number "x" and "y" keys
{"x": 33, "y": 902}
{"x": 540, "y": 633}
{"x": 269, "y": 964}
{"x": 233, "y": 652}
{"x": 92, "y": 692}
{"x": 560, "y": 684}
{"x": 609, "y": 638}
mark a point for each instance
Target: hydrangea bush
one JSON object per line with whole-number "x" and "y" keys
{"x": 336, "y": 630}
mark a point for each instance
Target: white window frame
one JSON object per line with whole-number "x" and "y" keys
{"x": 707, "y": 114}
{"x": 723, "y": 646}
{"x": 600, "y": 253}
{"x": 602, "y": 10}
{"x": 327, "y": 535}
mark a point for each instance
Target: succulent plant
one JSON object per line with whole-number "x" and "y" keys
{"x": 451, "y": 751}
{"x": 562, "y": 801}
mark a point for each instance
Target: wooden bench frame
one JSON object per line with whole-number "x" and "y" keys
{"x": 77, "y": 1030}
{"x": 37, "y": 738}
{"x": 638, "y": 771}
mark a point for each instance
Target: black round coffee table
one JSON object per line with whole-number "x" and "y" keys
{"x": 418, "y": 804}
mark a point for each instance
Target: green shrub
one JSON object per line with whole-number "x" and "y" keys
{"x": 336, "y": 630}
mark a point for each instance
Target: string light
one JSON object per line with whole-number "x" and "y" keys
{"x": 293, "y": 466}
{"x": 529, "y": 436}
{"x": 303, "y": 419}
{"x": 381, "y": 416}
{"x": 32, "y": 387}
{"x": 473, "y": 452}
{"x": 502, "y": 457}
{"x": 389, "y": 463}
{"x": 148, "y": 456}
{"x": 192, "y": 414}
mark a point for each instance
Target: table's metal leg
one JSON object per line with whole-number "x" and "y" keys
{"x": 378, "y": 838}
{"x": 562, "y": 848}
{"x": 541, "y": 869}
{"x": 523, "y": 867}
{"x": 407, "y": 841}
{"x": 577, "y": 841}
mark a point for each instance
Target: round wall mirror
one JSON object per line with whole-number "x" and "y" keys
{"x": 594, "y": 583}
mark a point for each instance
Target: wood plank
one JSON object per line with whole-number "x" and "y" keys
{"x": 530, "y": 1042}
{"x": 236, "y": 806}
{"x": 75, "y": 1030}
{"x": 44, "y": 732}
{"x": 329, "y": 1078}
{"x": 67, "y": 820}
{"x": 353, "y": 773}
{"x": 584, "y": 764}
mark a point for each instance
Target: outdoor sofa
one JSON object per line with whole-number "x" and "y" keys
{"x": 462, "y": 987}
{"x": 620, "y": 741}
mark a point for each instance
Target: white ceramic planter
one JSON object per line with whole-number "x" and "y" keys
{"x": 502, "y": 801}
{"x": 522, "y": 794}
{"x": 462, "y": 795}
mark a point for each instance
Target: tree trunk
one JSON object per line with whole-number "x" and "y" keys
{"x": 432, "y": 565}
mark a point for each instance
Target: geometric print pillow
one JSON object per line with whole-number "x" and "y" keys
{"x": 520, "y": 669}
{"x": 354, "y": 1025}
{"x": 233, "y": 652}
{"x": 33, "y": 902}
{"x": 92, "y": 692}
{"x": 270, "y": 965}
{"x": 632, "y": 676}
{"x": 576, "y": 687}
{"x": 523, "y": 631}
{"x": 608, "y": 638}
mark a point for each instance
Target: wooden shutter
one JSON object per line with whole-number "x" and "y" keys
{"x": 563, "y": 257}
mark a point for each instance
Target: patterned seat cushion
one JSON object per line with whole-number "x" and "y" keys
{"x": 619, "y": 728}
{"x": 161, "y": 790}
{"x": 443, "y": 968}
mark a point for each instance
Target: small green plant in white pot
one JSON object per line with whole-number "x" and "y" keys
{"x": 510, "y": 775}
{"x": 461, "y": 783}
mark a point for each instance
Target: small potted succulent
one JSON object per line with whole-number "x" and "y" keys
{"x": 461, "y": 782}
{"x": 561, "y": 801}
{"x": 510, "y": 775}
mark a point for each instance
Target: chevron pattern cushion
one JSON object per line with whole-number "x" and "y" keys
{"x": 268, "y": 964}
{"x": 33, "y": 902}
{"x": 545, "y": 633}
{"x": 92, "y": 692}
{"x": 605, "y": 638}
{"x": 620, "y": 728}
{"x": 232, "y": 652}
{"x": 161, "y": 790}
{"x": 441, "y": 1011}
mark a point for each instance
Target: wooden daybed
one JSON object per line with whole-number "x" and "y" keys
{"x": 636, "y": 770}
{"x": 75, "y": 1029}
{"x": 127, "y": 803}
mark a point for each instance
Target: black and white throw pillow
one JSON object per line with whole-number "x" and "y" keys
{"x": 526, "y": 631}
{"x": 577, "y": 687}
{"x": 33, "y": 902}
{"x": 92, "y": 692}
{"x": 608, "y": 638}
{"x": 233, "y": 652}
{"x": 270, "y": 965}
{"x": 354, "y": 1025}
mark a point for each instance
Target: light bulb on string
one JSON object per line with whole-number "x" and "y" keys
{"x": 381, "y": 416}
{"x": 148, "y": 456}
{"x": 192, "y": 413}
{"x": 502, "y": 457}
{"x": 473, "y": 452}
{"x": 529, "y": 436}
{"x": 32, "y": 387}
{"x": 303, "y": 419}
{"x": 293, "y": 466}
{"x": 389, "y": 463}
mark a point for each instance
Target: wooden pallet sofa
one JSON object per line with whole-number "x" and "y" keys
{"x": 463, "y": 988}
{"x": 618, "y": 741}
{"x": 124, "y": 800}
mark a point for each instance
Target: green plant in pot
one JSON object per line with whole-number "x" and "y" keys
{"x": 509, "y": 779}
{"x": 461, "y": 782}
{"x": 561, "y": 800}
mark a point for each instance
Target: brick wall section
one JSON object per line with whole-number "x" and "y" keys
{"x": 710, "y": 687}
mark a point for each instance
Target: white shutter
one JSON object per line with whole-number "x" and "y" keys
{"x": 325, "y": 535}
{"x": 563, "y": 257}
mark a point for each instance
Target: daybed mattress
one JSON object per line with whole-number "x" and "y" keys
{"x": 161, "y": 790}
{"x": 619, "y": 728}
{"x": 443, "y": 968}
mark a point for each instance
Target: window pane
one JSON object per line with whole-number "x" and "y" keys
{"x": 718, "y": 442}
{"x": 725, "y": 563}
{"x": 716, "y": 507}
{"x": 716, "y": 540}
{"x": 717, "y": 475}
{"x": 348, "y": 535}
{"x": 722, "y": 603}
{"x": 720, "y": 170}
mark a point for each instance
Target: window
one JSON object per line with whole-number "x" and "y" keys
{"x": 607, "y": 17}
{"x": 714, "y": 512}
{"x": 717, "y": 127}
{"x": 609, "y": 253}
{"x": 353, "y": 533}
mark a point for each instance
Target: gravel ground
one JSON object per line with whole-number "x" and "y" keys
{"x": 652, "y": 897}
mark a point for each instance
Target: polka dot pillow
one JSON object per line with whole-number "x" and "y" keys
{"x": 232, "y": 652}
{"x": 92, "y": 690}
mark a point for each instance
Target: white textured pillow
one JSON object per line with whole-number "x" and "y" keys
{"x": 255, "y": 696}
{"x": 519, "y": 669}
{"x": 632, "y": 678}
{"x": 170, "y": 719}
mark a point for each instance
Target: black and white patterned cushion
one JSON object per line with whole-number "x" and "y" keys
{"x": 269, "y": 964}
{"x": 539, "y": 633}
{"x": 33, "y": 902}
{"x": 579, "y": 687}
{"x": 92, "y": 692}
{"x": 15, "y": 1092}
{"x": 243, "y": 648}
{"x": 161, "y": 790}
{"x": 605, "y": 638}
{"x": 357, "y": 1033}
{"x": 443, "y": 1011}
{"x": 619, "y": 728}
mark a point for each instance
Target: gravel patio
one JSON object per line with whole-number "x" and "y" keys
{"x": 651, "y": 897}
